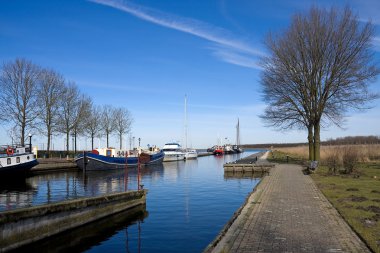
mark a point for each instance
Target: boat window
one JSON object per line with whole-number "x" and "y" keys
{"x": 27, "y": 157}
{"x": 17, "y": 159}
{"x": 9, "y": 161}
{"x": 170, "y": 149}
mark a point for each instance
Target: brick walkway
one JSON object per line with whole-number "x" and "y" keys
{"x": 287, "y": 213}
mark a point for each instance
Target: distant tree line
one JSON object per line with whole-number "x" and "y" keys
{"x": 348, "y": 140}
{"x": 37, "y": 99}
{"x": 353, "y": 140}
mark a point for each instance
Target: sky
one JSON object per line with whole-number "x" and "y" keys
{"x": 147, "y": 55}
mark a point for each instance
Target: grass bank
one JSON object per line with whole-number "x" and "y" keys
{"x": 356, "y": 196}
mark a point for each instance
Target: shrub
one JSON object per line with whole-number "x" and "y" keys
{"x": 350, "y": 159}
{"x": 332, "y": 160}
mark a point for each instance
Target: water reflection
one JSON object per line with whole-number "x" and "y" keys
{"x": 60, "y": 186}
{"x": 15, "y": 192}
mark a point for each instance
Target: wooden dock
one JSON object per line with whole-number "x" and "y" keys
{"x": 255, "y": 163}
{"x": 247, "y": 167}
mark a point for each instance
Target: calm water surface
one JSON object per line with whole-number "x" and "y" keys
{"x": 188, "y": 203}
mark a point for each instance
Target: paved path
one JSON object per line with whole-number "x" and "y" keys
{"x": 287, "y": 213}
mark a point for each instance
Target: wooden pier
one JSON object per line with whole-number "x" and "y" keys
{"x": 247, "y": 167}
{"x": 251, "y": 164}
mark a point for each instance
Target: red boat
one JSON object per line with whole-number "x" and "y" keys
{"x": 218, "y": 151}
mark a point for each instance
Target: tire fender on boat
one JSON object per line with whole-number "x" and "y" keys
{"x": 10, "y": 151}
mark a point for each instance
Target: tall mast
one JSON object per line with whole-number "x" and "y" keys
{"x": 238, "y": 133}
{"x": 185, "y": 121}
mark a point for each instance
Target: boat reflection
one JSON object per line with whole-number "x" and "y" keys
{"x": 15, "y": 192}
{"x": 127, "y": 224}
{"x": 60, "y": 186}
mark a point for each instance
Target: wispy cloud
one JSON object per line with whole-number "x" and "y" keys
{"x": 221, "y": 37}
{"x": 233, "y": 57}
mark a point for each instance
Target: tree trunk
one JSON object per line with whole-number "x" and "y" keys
{"x": 317, "y": 140}
{"x": 311, "y": 143}
{"x": 75, "y": 143}
{"x": 67, "y": 143}
{"x": 92, "y": 142}
{"x": 107, "y": 140}
{"x": 48, "y": 143}
{"x": 121, "y": 140}
{"x": 23, "y": 135}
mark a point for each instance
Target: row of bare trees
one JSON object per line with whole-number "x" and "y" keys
{"x": 317, "y": 71}
{"x": 36, "y": 98}
{"x": 353, "y": 140}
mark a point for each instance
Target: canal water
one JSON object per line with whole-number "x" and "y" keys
{"x": 188, "y": 203}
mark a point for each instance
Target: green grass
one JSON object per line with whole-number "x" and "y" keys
{"x": 357, "y": 198}
{"x": 280, "y": 157}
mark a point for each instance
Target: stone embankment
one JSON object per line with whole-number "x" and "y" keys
{"x": 53, "y": 164}
{"x": 26, "y": 225}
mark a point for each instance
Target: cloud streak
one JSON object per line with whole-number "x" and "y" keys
{"x": 221, "y": 37}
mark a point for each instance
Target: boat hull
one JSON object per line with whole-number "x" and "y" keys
{"x": 191, "y": 155}
{"x": 99, "y": 162}
{"x": 174, "y": 157}
{"x": 18, "y": 169}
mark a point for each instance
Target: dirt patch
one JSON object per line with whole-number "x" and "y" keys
{"x": 368, "y": 222}
{"x": 375, "y": 191}
{"x": 358, "y": 198}
{"x": 352, "y": 189}
{"x": 373, "y": 209}
{"x": 376, "y": 200}
{"x": 353, "y": 198}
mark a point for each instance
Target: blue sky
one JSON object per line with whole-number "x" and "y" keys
{"x": 146, "y": 55}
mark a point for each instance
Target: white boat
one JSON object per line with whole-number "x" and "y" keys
{"x": 16, "y": 160}
{"x": 173, "y": 152}
{"x": 189, "y": 153}
{"x": 228, "y": 149}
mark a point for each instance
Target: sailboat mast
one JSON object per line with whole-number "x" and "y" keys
{"x": 185, "y": 122}
{"x": 238, "y": 133}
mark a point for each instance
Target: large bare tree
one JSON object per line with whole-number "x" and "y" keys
{"x": 19, "y": 85}
{"x": 317, "y": 71}
{"x": 93, "y": 123}
{"x": 123, "y": 122}
{"x": 50, "y": 100}
{"x": 108, "y": 122}
{"x": 82, "y": 112}
{"x": 69, "y": 111}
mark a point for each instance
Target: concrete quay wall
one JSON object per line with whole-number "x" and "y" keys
{"x": 22, "y": 226}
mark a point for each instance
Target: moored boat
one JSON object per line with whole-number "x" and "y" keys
{"x": 218, "y": 150}
{"x": 228, "y": 149}
{"x": 173, "y": 152}
{"x": 237, "y": 149}
{"x": 191, "y": 154}
{"x": 110, "y": 158}
{"x": 15, "y": 160}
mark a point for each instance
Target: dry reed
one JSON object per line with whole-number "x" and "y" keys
{"x": 366, "y": 153}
